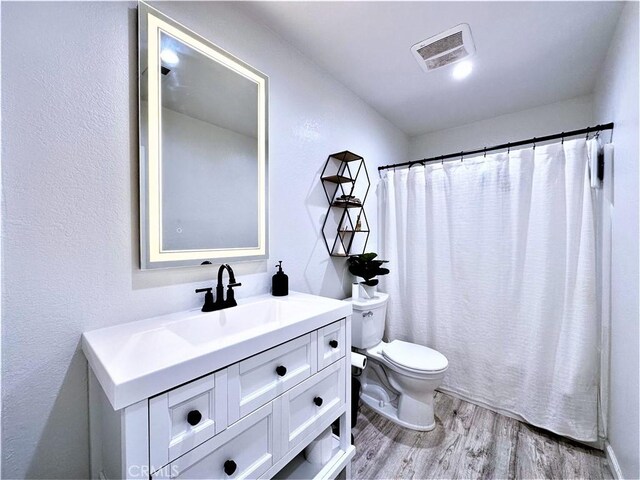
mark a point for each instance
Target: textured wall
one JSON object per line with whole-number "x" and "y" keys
{"x": 545, "y": 120}
{"x": 616, "y": 100}
{"x": 70, "y": 200}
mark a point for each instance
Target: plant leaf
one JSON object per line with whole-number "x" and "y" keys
{"x": 365, "y": 266}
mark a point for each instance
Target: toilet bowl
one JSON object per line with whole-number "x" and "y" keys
{"x": 400, "y": 379}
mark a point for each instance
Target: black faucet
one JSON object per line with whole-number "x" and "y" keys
{"x": 220, "y": 300}
{"x": 220, "y": 303}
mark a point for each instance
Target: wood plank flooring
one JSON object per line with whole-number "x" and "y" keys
{"x": 469, "y": 442}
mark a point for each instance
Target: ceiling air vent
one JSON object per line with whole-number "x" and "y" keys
{"x": 445, "y": 48}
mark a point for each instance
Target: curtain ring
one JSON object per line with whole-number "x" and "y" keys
{"x": 534, "y": 143}
{"x": 442, "y": 160}
{"x": 485, "y": 152}
{"x": 586, "y": 137}
{"x": 462, "y": 156}
{"x": 562, "y": 143}
{"x": 508, "y": 148}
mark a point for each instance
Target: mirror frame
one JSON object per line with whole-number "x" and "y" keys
{"x": 150, "y": 23}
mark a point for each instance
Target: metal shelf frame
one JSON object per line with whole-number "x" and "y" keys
{"x": 342, "y": 172}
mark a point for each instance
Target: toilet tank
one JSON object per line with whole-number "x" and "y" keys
{"x": 367, "y": 322}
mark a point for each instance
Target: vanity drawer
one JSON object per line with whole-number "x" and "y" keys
{"x": 259, "y": 379}
{"x": 308, "y": 405}
{"x": 244, "y": 450}
{"x": 184, "y": 417}
{"x": 331, "y": 343}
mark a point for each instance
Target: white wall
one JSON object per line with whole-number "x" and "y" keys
{"x": 70, "y": 200}
{"x": 616, "y": 99}
{"x": 535, "y": 122}
{"x": 1, "y": 264}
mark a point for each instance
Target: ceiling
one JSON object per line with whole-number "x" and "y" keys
{"x": 528, "y": 53}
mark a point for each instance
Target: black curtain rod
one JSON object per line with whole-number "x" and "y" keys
{"x": 534, "y": 140}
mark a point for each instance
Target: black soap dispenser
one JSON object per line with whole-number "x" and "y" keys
{"x": 280, "y": 283}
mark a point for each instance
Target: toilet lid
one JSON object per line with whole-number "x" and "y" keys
{"x": 415, "y": 357}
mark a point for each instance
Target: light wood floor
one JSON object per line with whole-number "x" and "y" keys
{"x": 469, "y": 442}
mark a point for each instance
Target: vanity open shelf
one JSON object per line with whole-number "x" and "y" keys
{"x": 300, "y": 468}
{"x": 345, "y": 228}
{"x": 236, "y": 393}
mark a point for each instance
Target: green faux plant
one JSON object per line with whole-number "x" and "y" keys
{"x": 366, "y": 266}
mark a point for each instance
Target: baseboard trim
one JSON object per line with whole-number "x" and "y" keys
{"x": 614, "y": 466}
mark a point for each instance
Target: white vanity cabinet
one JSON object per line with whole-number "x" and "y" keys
{"x": 268, "y": 395}
{"x": 315, "y": 402}
{"x": 258, "y": 379}
{"x": 186, "y": 416}
{"x": 244, "y": 450}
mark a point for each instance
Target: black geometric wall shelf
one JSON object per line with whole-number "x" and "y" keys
{"x": 345, "y": 181}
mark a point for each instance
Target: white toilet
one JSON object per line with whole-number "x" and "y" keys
{"x": 401, "y": 377}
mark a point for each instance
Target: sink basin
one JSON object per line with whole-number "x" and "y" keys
{"x": 221, "y": 325}
{"x": 137, "y": 360}
{"x": 245, "y": 320}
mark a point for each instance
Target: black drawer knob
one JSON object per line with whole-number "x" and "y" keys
{"x": 333, "y": 343}
{"x": 230, "y": 467}
{"x": 318, "y": 401}
{"x": 194, "y": 417}
{"x": 281, "y": 370}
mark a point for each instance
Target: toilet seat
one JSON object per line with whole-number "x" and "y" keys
{"x": 413, "y": 357}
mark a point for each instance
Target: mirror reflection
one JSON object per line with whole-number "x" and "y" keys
{"x": 209, "y": 152}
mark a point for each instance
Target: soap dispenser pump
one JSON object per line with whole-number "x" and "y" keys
{"x": 280, "y": 283}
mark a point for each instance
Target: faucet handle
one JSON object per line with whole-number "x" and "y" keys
{"x": 231, "y": 299}
{"x": 208, "y": 306}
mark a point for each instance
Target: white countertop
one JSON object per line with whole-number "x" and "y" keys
{"x": 137, "y": 360}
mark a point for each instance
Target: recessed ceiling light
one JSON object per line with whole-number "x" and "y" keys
{"x": 462, "y": 70}
{"x": 169, "y": 57}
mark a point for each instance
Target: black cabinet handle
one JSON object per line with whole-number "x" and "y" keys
{"x": 194, "y": 417}
{"x": 281, "y": 370}
{"x": 333, "y": 343}
{"x": 230, "y": 467}
{"x": 318, "y": 401}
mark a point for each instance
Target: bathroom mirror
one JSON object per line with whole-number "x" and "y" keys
{"x": 203, "y": 149}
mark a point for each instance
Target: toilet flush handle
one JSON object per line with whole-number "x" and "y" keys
{"x": 367, "y": 314}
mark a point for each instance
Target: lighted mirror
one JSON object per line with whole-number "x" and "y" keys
{"x": 203, "y": 149}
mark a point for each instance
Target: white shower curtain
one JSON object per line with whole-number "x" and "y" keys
{"x": 493, "y": 264}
